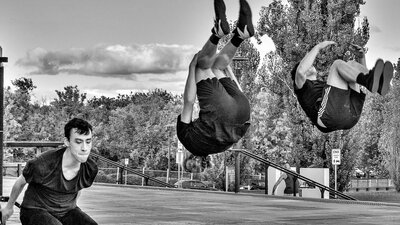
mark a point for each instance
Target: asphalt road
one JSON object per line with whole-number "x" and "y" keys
{"x": 119, "y": 205}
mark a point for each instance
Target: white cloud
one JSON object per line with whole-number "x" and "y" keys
{"x": 110, "y": 60}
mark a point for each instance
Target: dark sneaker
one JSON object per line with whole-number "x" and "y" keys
{"x": 221, "y": 25}
{"x": 244, "y": 28}
{"x": 384, "y": 84}
{"x": 376, "y": 73}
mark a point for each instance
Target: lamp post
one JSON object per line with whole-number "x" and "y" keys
{"x": 2, "y": 59}
{"x": 169, "y": 149}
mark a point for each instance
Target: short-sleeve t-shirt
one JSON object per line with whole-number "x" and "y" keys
{"x": 48, "y": 189}
{"x": 310, "y": 98}
{"x": 201, "y": 139}
{"x": 290, "y": 187}
{"x": 223, "y": 118}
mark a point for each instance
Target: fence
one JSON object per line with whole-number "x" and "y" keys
{"x": 371, "y": 185}
{"x": 120, "y": 176}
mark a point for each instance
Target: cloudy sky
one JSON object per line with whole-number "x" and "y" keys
{"x": 109, "y": 47}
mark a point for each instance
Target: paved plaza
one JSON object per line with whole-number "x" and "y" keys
{"x": 120, "y": 205}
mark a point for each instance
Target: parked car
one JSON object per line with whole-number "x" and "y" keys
{"x": 253, "y": 186}
{"x": 371, "y": 174}
{"x": 193, "y": 184}
{"x": 359, "y": 173}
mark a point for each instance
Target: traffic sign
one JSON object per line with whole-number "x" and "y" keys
{"x": 126, "y": 161}
{"x": 336, "y": 156}
{"x": 180, "y": 146}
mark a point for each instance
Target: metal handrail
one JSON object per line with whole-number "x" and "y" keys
{"x": 309, "y": 181}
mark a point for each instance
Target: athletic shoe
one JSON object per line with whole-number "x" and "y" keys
{"x": 376, "y": 73}
{"x": 384, "y": 84}
{"x": 221, "y": 25}
{"x": 244, "y": 28}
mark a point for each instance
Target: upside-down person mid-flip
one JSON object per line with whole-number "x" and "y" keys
{"x": 224, "y": 109}
{"x": 337, "y": 103}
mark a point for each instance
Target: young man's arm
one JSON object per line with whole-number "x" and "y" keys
{"x": 307, "y": 62}
{"x": 189, "y": 95}
{"x": 360, "y": 54}
{"x": 15, "y": 192}
{"x": 281, "y": 178}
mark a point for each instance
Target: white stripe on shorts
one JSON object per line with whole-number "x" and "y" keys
{"x": 324, "y": 101}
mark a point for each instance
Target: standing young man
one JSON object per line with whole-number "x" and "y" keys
{"x": 55, "y": 179}
{"x": 291, "y": 186}
{"x": 337, "y": 103}
{"x": 224, "y": 109}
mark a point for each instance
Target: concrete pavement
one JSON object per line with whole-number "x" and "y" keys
{"x": 119, "y": 205}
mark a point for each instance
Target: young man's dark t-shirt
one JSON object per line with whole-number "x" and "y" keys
{"x": 223, "y": 118}
{"x": 310, "y": 98}
{"x": 48, "y": 189}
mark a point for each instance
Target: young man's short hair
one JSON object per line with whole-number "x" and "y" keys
{"x": 82, "y": 127}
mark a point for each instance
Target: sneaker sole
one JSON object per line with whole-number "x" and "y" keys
{"x": 378, "y": 70}
{"x": 219, "y": 7}
{"x": 387, "y": 77}
{"x": 245, "y": 11}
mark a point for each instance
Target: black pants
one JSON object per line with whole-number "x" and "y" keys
{"x": 39, "y": 217}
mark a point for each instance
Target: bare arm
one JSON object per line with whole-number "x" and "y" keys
{"x": 282, "y": 177}
{"x": 15, "y": 192}
{"x": 189, "y": 95}
{"x": 307, "y": 62}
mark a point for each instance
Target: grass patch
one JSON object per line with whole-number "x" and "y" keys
{"x": 376, "y": 196}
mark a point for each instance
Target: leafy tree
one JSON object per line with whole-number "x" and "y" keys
{"x": 70, "y": 102}
{"x": 389, "y": 143}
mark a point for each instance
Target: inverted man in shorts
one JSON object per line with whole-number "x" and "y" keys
{"x": 224, "y": 109}
{"x": 337, "y": 103}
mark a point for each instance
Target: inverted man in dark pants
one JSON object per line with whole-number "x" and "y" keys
{"x": 55, "y": 179}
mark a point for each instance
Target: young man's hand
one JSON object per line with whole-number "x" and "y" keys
{"x": 358, "y": 51}
{"x": 6, "y": 213}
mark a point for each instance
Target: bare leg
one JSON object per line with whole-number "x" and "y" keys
{"x": 344, "y": 74}
{"x": 205, "y": 61}
{"x": 207, "y": 54}
{"x": 243, "y": 31}
{"x": 223, "y": 59}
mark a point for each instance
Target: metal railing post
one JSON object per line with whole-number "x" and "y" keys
{"x": 266, "y": 178}
{"x": 237, "y": 172}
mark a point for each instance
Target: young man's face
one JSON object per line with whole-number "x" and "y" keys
{"x": 79, "y": 145}
{"x": 193, "y": 165}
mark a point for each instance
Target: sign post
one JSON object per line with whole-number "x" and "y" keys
{"x": 336, "y": 162}
{"x": 179, "y": 158}
{"x": 126, "y": 161}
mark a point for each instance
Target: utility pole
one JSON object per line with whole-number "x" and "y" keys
{"x": 2, "y": 59}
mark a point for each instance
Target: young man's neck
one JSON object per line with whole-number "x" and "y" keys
{"x": 69, "y": 160}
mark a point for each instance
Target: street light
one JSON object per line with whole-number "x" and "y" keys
{"x": 169, "y": 149}
{"x": 2, "y": 59}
